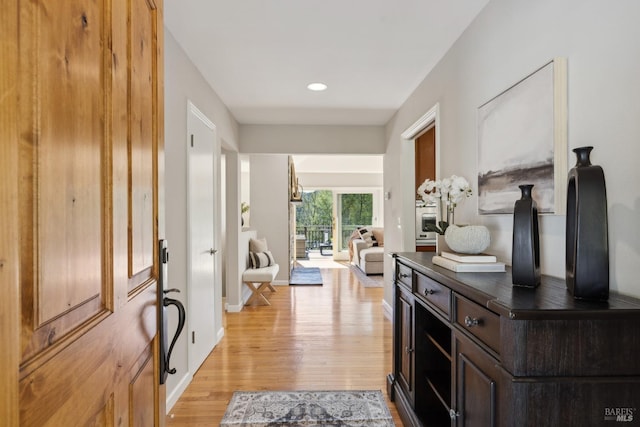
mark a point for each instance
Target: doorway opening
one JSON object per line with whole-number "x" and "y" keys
{"x": 421, "y": 160}
{"x": 327, "y": 220}
{"x": 332, "y": 186}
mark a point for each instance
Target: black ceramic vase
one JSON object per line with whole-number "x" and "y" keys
{"x": 525, "y": 253}
{"x": 587, "y": 252}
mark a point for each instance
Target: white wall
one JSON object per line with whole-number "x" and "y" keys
{"x": 240, "y": 292}
{"x": 183, "y": 82}
{"x": 232, "y": 248}
{"x": 245, "y": 189}
{"x": 269, "y": 206}
{"x": 311, "y": 180}
{"x": 298, "y": 139}
{"x": 509, "y": 40}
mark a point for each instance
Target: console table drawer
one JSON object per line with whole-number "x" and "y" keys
{"x": 404, "y": 275}
{"x": 479, "y": 321}
{"x": 433, "y": 292}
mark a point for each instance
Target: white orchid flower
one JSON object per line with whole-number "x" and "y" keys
{"x": 447, "y": 192}
{"x": 446, "y": 184}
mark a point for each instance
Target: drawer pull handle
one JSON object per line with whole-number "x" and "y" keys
{"x": 428, "y": 292}
{"x": 408, "y": 350}
{"x": 403, "y": 275}
{"x": 471, "y": 321}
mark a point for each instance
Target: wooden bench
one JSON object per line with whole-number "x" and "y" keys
{"x": 259, "y": 280}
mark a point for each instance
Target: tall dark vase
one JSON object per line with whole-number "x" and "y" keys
{"x": 587, "y": 254}
{"x": 525, "y": 253}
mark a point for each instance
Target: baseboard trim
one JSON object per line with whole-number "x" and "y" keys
{"x": 220, "y": 335}
{"x": 234, "y": 308}
{"x": 172, "y": 398}
{"x": 246, "y": 294}
{"x": 280, "y": 283}
{"x": 387, "y": 310}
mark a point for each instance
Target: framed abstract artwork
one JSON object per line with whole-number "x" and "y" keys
{"x": 522, "y": 139}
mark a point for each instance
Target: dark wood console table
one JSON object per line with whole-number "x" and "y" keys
{"x": 470, "y": 349}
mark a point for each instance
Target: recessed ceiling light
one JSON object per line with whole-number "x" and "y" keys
{"x": 316, "y": 86}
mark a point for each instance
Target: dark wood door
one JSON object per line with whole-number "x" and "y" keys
{"x": 405, "y": 350}
{"x": 80, "y": 183}
{"x": 425, "y": 156}
{"x": 477, "y": 386}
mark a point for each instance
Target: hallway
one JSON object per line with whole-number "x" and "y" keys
{"x": 330, "y": 337}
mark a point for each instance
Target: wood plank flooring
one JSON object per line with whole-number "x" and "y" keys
{"x": 330, "y": 337}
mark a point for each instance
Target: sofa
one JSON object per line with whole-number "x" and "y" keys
{"x": 366, "y": 256}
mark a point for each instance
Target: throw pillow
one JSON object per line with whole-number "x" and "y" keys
{"x": 366, "y": 235}
{"x": 258, "y": 245}
{"x": 261, "y": 259}
{"x": 378, "y": 233}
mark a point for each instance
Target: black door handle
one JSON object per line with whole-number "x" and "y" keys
{"x": 181, "y": 320}
{"x": 162, "y": 302}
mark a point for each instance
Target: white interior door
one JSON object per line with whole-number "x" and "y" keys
{"x": 201, "y": 146}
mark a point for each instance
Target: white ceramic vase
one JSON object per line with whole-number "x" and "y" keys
{"x": 467, "y": 239}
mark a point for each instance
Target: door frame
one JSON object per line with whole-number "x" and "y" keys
{"x": 408, "y": 171}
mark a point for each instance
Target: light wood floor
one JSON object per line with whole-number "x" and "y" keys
{"x": 330, "y": 337}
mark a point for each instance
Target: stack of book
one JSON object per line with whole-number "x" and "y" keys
{"x": 463, "y": 263}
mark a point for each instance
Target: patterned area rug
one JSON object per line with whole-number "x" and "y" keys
{"x": 307, "y": 408}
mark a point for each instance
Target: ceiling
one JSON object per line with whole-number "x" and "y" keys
{"x": 259, "y": 55}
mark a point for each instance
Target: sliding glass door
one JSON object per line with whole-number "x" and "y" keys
{"x": 327, "y": 218}
{"x": 352, "y": 210}
{"x": 314, "y": 218}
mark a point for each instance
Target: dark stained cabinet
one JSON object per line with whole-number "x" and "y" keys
{"x": 405, "y": 335}
{"x": 472, "y": 350}
{"x": 477, "y": 384}
{"x": 433, "y": 379}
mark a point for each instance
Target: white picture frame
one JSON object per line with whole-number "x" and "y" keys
{"x": 522, "y": 139}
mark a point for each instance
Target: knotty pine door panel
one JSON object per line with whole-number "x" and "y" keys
{"x": 142, "y": 53}
{"x": 62, "y": 170}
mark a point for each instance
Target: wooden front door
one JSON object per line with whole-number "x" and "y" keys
{"x": 82, "y": 125}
